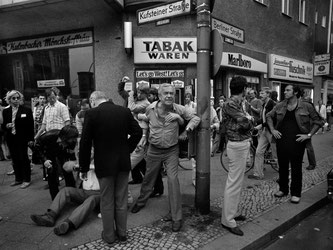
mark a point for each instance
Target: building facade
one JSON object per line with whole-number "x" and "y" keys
{"x": 78, "y": 45}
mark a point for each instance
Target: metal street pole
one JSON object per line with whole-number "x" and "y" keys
{"x": 202, "y": 190}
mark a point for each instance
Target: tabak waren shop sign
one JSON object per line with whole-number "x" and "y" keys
{"x": 165, "y": 50}
{"x": 290, "y": 69}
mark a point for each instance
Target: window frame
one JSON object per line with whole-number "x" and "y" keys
{"x": 302, "y": 11}
{"x": 285, "y": 5}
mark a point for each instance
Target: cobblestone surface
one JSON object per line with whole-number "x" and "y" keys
{"x": 198, "y": 230}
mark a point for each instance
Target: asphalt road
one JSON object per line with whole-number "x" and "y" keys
{"x": 313, "y": 233}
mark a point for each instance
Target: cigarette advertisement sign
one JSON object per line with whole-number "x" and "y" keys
{"x": 290, "y": 69}
{"x": 165, "y": 50}
{"x": 163, "y": 11}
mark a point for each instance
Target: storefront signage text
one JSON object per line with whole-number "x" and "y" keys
{"x": 290, "y": 69}
{"x": 164, "y": 11}
{"x": 51, "y": 83}
{"x": 159, "y": 73}
{"x": 72, "y": 39}
{"x": 240, "y": 61}
{"x": 228, "y": 30}
{"x": 165, "y": 50}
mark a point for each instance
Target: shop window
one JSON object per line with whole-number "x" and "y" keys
{"x": 71, "y": 68}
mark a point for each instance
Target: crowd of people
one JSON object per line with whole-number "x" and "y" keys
{"x": 98, "y": 148}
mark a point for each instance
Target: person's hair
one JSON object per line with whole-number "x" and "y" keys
{"x": 267, "y": 90}
{"x": 237, "y": 85}
{"x": 222, "y": 97}
{"x": 297, "y": 90}
{"x": 274, "y": 95}
{"x": 11, "y": 93}
{"x": 189, "y": 95}
{"x": 68, "y": 132}
{"x": 153, "y": 91}
{"x": 165, "y": 85}
{"x": 85, "y": 101}
{"x": 143, "y": 89}
{"x": 99, "y": 95}
{"x": 49, "y": 92}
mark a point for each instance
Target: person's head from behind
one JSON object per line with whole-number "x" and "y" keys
{"x": 51, "y": 95}
{"x": 166, "y": 94}
{"x": 68, "y": 136}
{"x": 238, "y": 85}
{"x": 85, "y": 104}
{"x": 292, "y": 91}
{"x": 97, "y": 97}
{"x": 264, "y": 94}
{"x": 188, "y": 98}
{"x": 14, "y": 98}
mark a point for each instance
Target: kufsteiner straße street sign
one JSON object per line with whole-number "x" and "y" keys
{"x": 177, "y": 8}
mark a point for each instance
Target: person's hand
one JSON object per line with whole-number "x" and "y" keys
{"x": 83, "y": 176}
{"x": 172, "y": 117}
{"x": 10, "y": 125}
{"x": 258, "y": 127}
{"x": 183, "y": 136}
{"x": 142, "y": 143}
{"x": 276, "y": 134}
{"x": 302, "y": 137}
{"x": 125, "y": 79}
{"x": 48, "y": 164}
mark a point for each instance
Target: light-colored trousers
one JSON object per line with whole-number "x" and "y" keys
{"x": 265, "y": 139}
{"x": 237, "y": 153}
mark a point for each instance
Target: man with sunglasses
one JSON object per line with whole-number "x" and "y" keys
{"x": 57, "y": 147}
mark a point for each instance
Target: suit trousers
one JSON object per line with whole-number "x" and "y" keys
{"x": 88, "y": 200}
{"x": 170, "y": 158}
{"x": 310, "y": 153}
{"x": 114, "y": 191}
{"x": 265, "y": 139}
{"x": 19, "y": 152}
{"x": 237, "y": 153}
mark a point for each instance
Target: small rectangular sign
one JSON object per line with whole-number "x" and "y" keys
{"x": 163, "y": 22}
{"x": 323, "y": 57}
{"x": 228, "y": 30}
{"x": 163, "y": 11}
{"x": 228, "y": 40}
{"x": 51, "y": 83}
{"x": 322, "y": 68}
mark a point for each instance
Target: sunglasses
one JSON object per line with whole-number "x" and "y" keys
{"x": 16, "y": 98}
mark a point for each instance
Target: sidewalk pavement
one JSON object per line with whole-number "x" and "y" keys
{"x": 267, "y": 217}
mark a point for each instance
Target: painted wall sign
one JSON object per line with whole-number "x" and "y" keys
{"x": 290, "y": 69}
{"x": 322, "y": 68}
{"x": 159, "y": 73}
{"x": 240, "y": 61}
{"x": 163, "y": 11}
{"x": 228, "y": 30}
{"x": 50, "y": 42}
{"x": 51, "y": 83}
{"x": 165, "y": 50}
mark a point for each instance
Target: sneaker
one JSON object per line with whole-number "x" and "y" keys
{"x": 45, "y": 220}
{"x": 310, "y": 167}
{"x": 10, "y": 172}
{"x": 62, "y": 228}
{"x": 295, "y": 199}
{"x": 279, "y": 194}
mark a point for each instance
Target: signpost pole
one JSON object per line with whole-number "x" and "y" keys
{"x": 202, "y": 189}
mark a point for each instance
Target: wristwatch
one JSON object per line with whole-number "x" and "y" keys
{"x": 310, "y": 135}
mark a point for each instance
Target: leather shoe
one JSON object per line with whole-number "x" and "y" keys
{"x": 136, "y": 208}
{"x": 25, "y": 185}
{"x": 254, "y": 177}
{"x": 240, "y": 218}
{"x": 122, "y": 239}
{"x": 62, "y": 228}
{"x": 235, "y": 230}
{"x": 109, "y": 244}
{"x": 176, "y": 225}
{"x": 156, "y": 194}
{"x": 167, "y": 218}
{"x": 15, "y": 183}
{"x": 279, "y": 194}
{"x": 134, "y": 182}
{"x": 310, "y": 167}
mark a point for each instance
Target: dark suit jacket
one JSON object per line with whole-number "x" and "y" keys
{"x": 107, "y": 128}
{"x": 24, "y": 123}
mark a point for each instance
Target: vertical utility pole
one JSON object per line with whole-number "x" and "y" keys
{"x": 202, "y": 190}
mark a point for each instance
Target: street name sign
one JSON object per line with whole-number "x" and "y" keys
{"x": 164, "y": 11}
{"x": 228, "y": 30}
